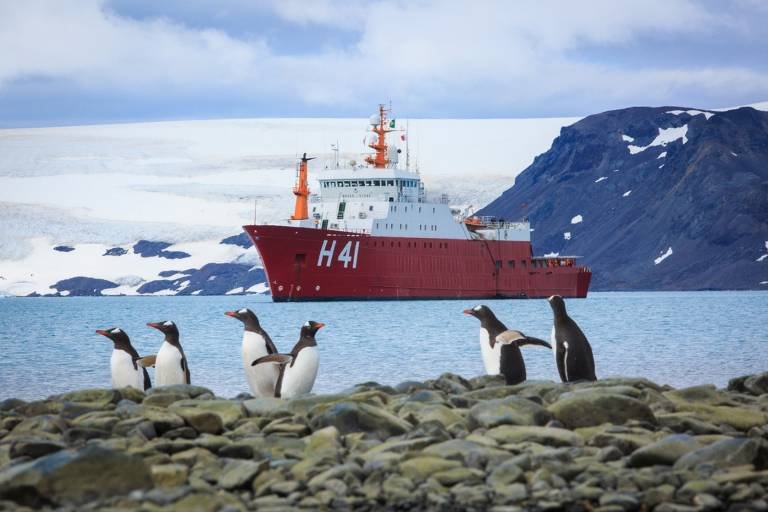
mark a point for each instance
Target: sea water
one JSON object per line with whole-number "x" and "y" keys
{"x": 48, "y": 345}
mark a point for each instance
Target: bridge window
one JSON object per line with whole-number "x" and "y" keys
{"x": 390, "y": 182}
{"x": 511, "y": 263}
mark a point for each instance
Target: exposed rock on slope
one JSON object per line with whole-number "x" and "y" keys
{"x": 653, "y": 198}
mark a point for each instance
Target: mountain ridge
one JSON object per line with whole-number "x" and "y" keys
{"x": 667, "y": 198}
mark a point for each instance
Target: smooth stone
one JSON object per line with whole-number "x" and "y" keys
{"x": 349, "y": 472}
{"x": 740, "y": 418}
{"x": 77, "y": 435}
{"x": 454, "y": 476}
{"x": 100, "y": 397}
{"x": 420, "y": 468}
{"x": 349, "y": 417}
{"x": 505, "y": 474}
{"x": 103, "y": 420}
{"x": 74, "y": 477}
{"x": 512, "y": 410}
{"x": 624, "y": 501}
{"x": 169, "y": 475}
{"x": 326, "y": 439}
{"x": 180, "y": 389}
{"x": 229, "y": 411}
{"x": 595, "y": 408}
{"x": 417, "y": 413}
{"x": 265, "y": 407}
{"x": 543, "y": 435}
{"x": 204, "y": 422}
{"x": 164, "y": 399}
{"x": 34, "y": 448}
{"x": 728, "y": 452}
{"x": 238, "y": 474}
{"x": 470, "y": 453}
{"x": 665, "y": 452}
{"x": 694, "y": 487}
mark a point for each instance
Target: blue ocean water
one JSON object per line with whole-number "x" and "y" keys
{"x": 48, "y": 345}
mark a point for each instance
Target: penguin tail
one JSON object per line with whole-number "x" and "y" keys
{"x": 274, "y": 358}
{"x": 528, "y": 340}
{"x": 147, "y": 361}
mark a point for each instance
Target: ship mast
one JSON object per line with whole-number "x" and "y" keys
{"x": 301, "y": 191}
{"x": 379, "y": 160}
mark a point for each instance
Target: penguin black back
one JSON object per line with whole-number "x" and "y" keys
{"x": 573, "y": 353}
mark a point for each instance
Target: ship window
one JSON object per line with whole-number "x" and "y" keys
{"x": 347, "y": 184}
{"x": 419, "y": 209}
{"x": 391, "y": 244}
{"x": 511, "y": 263}
{"x": 376, "y": 183}
{"x": 398, "y": 244}
{"x": 522, "y": 263}
{"x": 390, "y": 182}
{"x": 498, "y": 264}
{"x": 430, "y": 245}
{"x": 368, "y": 183}
{"x": 433, "y": 210}
{"x": 370, "y": 208}
{"x": 394, "y": 208}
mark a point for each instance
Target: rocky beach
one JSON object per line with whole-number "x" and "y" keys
{"x": 444, "y": 444}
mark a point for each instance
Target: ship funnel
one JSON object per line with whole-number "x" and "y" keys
{"x": 301, "y": 190}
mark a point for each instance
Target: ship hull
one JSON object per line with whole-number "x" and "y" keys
{"x": 307, "y": 264}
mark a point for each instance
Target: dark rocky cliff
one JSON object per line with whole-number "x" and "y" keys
{"x": 645, "y": 180}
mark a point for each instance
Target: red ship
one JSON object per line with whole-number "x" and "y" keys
{"x": 372, "y": 234}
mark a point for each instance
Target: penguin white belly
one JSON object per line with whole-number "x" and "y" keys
{"x": 491, "y": 356}
{"x": 299, "y": 378}
{"x": 168, "y": 369}
{"x": 123, "y": 372}
{"x": 262, "y": 377}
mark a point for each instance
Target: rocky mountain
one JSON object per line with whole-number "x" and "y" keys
{"x": 664, "y": 198}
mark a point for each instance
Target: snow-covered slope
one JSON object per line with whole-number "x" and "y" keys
{"x": 193, "y": 183}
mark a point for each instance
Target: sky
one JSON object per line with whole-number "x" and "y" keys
{"x": 65, "y": 62}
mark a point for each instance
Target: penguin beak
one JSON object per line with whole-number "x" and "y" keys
{"x": 102, "y": 332}
{"x": 468, "y": 312}
{"x": 231, "y": 313}
{"x": 156, "y": 325}
{"x": 319, "y": 325}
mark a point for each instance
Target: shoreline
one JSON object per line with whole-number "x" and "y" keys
{"x": 444, "y": 444}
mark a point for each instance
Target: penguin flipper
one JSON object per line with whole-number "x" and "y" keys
{"x": 185, "y": 368}
{"x": 509, "y": 336}
{"x": 274, "y": 358}
{"x": 560, "y": 358}
{"x": 147, "y": 361}
{"x": 530, "y": 340}
{"x": 271, "y": 348}
{"x": 147, "y": 382}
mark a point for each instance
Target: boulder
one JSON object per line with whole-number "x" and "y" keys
{"x": 728, "y": 452}
{"x": 228, "y": 410}
{"x": 349, "y": 417}
{"x": 512, "y": 410}
{"x": 74, "y": 477}
{"x": 663, "y": 452}
{"x": 549, "y": 436}
{"x": 237, "y": 474}
{"x": 420, "y": 468}
{"x": 587, "y": 409}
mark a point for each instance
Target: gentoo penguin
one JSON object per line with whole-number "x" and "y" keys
{"x": 573, "y": 354}
{"x": 256, "y": 344}
{"x": 299, "y": 368}
{"x": 171, "y": 364}
{"x": 500, "y": 346}
{"x": 125, "y": 370}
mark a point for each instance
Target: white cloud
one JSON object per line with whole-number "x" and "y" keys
{"x": 449, "y": 52}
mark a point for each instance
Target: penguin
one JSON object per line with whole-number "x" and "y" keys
{"x": 125, "y": 369}
{"x": 256, "y": 344}
{"x": 170, "y": 364}
{"x": 573, "y": 354}
{"x": 297, "y": 370}
{"x": 500, "y": 347}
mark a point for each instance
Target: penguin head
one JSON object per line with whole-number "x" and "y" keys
{"x": 167, "y": 327}
{"x": 117, "y": 335}
{"x": 557, "y": 304}
{"x": 310, "y": 328}
{"x": 481, "y": 312}
{"x": 246, "y": 316}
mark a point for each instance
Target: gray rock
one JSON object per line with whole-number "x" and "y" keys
{"x": 512, "y": 410}
{"x": 202, "y": 421}
{"x": 349, "y": 417}
{"x": 624, "y": 501}
{"x": 187, "y": 390}
{"x": 74, "y": 477}
{"x": 229, "y": 411}
{"x": 542, "y": 435}
{"x": 34, "y": 448}
{"x": 470, "y": 453}
{"x": 589, "y": 409}
{"x": 237, "y": 474}
{"x": 728, "y": 452}
{"x": 663, "y": 452}
{"x": 267, "y": 407}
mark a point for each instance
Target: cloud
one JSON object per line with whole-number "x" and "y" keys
{"x": 442, "y": 57}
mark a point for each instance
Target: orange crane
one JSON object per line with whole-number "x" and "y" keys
{"x": 301, "y": 190}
